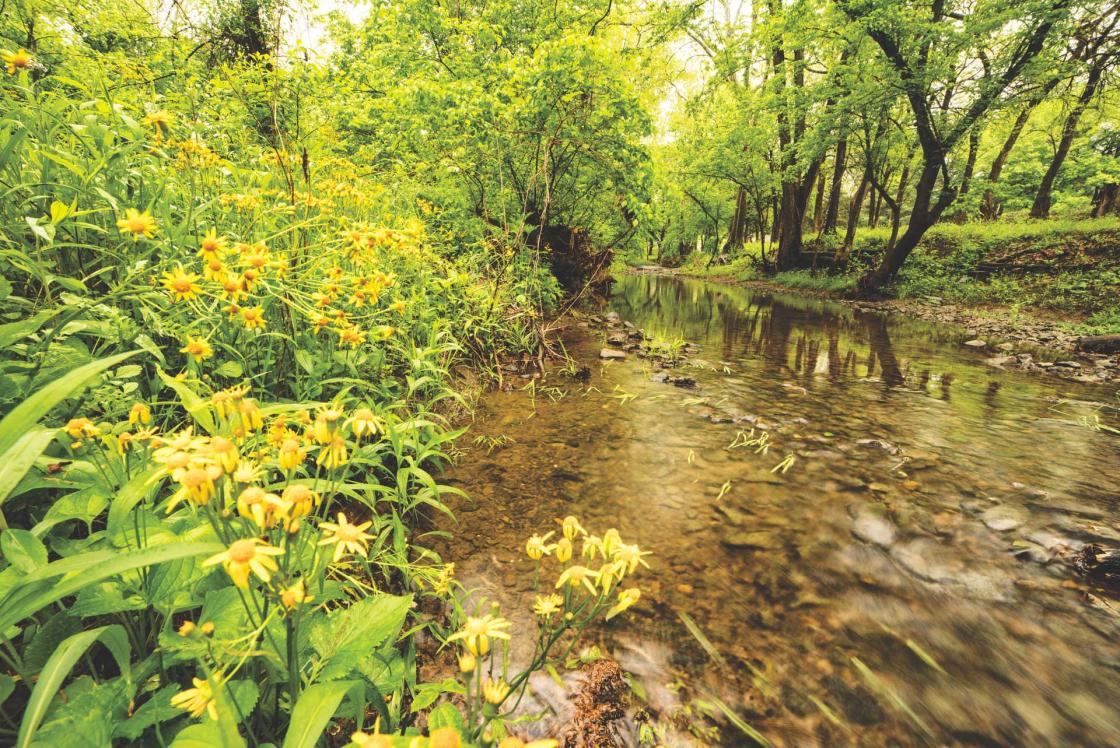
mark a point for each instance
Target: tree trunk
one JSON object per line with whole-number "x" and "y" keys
{"x": 844, "y": 251}
{"x": 924, "y": 214}
{"x": 818, "y": 207}
{"x": 832, "y": 214}
{"x": 1106, "y": 200}
{"x": 989, "y": 204}
{"x": 1042, "y": 201}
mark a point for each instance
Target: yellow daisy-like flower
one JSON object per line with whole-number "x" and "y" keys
{"x": 224, "y": 452}
{"x": 198, "y": 700}
{"x": 139, "y": 413}
{"x": 495, "y": 691}
{"x": 467, "y": 662}
{"x": 350, "y": 336}
{"x": 249, "y": 277}
{"x": 445, "y": 737}
{"x": 577, "y": 575}
{"x": 295, "y": 595}
{"x": 626, "y": 598}
{"x": 572, "y": 527}
{"x": 244, "y": 557}
{"x": 292, "y": 455}
{"x": 253, "y": 317}
{"x": 367, "y": 740}
{"x": 15, "y": 61}
{"x": 160, "y": 119}
{"x": 563, "y": 550}
{"x": 138, "y": 224}
{"x": 334, "y": 454}
{"x": 198, "y": 348}
{"x": 479, "y": 630}
{"x": 631, "y": 555}
{"x": 365, "y": 423}
{"x": 211, "y": 245}
{"x": 548, "y": 606}
{"x": 233, "y": 288}
{"x": 345, "y": 537}
{"x": 196, "y": 484}
{"x": 512, "y": 742}
{"x": 182, "y": 286}
{"x": 213, "y": 269}
{"x": 396, "y": 306}
{"x": 537, "y": 547}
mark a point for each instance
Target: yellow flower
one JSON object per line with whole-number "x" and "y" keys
{"x": 537, "y": 547}
{"x": 197, "y": 348}
{"x": 187, "y": 628}
{"x": 347, "y": 538}
{"x": 292, "y": 455}
{"x": 301, "y": 499}
{"x": 397, "y": 306}
{"x": 577, "y": 575}
{"x": 546, "y": 607}
{"x": 160, "y": 119}
{"x": 631, "y": 555}
{"x": 626, "y": 598}
{"x": 253, "y": 317}
{"x": 478, "y": 631}
{"x": 563, "y": 550}
{"x": 247, "y": 471}
{"x": 138, "y": 224}
{"x": 333, "y": 455}
{"x": 467, "y": 662}
{"x": 244, "y": 557}
{"x": 293, "y": 596}
{"x": 139, "y": 413}
{"x": 364, "y": 422}
{"x": 383, "y": 332}
{"x": 211, "y": 245}
{"x": 213, "y": 269}
{"x": 197, "y": 700}
{"x": 512, "y": 742}
{"x": 182, "y": 286}
{"x": 611, "y": 572}
{"x": 250, "y": 413}
{"x": 325, "y": 424}
{"x": 365, "y": 740}
{"x": 224, "y": 453}
{"x": 572, "y": 527}
{"x": 78, "y": 428}
{"x": 444, "y": 737}
{"x": 249, "y": 278}
{"x": 494, "y": 692}
{"x": 232, "y": 287}
{"x": 350, "y": 336}
{"x": 19, "y": 60}
{"x": 196, "y": 484}
{"x": 259, "y": 506}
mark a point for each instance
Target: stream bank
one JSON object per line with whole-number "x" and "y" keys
{"x": 906, "y": 580}
{"x": 1013, "y": 339}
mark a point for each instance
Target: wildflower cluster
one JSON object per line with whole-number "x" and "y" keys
{"x": 587, "y": 586}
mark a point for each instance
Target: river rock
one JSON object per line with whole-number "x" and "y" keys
{"x": 869, "y": 527}
{"x": 1002, "y": 518}
{"x": 612, "y": 354}
{"x": 617, "y": 339}
{"x": 976, "y": 343}
{"x": 753, "y": 539}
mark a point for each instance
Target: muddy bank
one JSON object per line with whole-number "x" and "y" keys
{"x": 1014, "y": 340}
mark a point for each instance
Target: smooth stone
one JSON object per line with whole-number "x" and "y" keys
{"x": 976, "y": 343}
{"x": 871, "y": 528}
{"x": 756, "y": 539}
{"x": 609, "y": 353}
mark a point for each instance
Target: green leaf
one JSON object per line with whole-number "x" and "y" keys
{"x": 230, "y": 369}
{"x": 313, "y": 711}
{"x": 26, "y": 416}
{"x": 349, "y": 635}
{"x": 195, "y": 405}
{"x": 21, "y": 456}
{"x": 154, "y": 711}
{"x": 83, "y": 570}
{"x": 25, "y": 551}
{"x": 445, "y": 715}
{"x": 14, "y": 331}
{"x": 59, "y": 666}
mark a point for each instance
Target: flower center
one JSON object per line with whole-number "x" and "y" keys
{"x": 242, "y": 551}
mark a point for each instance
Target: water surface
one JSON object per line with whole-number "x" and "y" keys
{"x": 901, "y": 584}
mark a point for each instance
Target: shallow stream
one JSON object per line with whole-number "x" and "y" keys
{"x": 906, "y": 580}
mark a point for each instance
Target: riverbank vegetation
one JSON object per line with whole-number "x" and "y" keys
{"x": 244, "y": 277}
{"x": 838, "y": 145}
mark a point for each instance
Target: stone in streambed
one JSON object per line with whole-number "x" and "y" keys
{"x": 976, "y": 343}
{"x": 870, "y": 527}
{"x": 753, "y": 539}
{"x": 612, "y": 354}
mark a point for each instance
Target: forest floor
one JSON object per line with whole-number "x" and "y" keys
{"x": 1043, "y": 341}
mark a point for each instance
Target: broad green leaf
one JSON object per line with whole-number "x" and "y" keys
{"x": 313, "y": 711}
{"x": 83, "y": 570}
{"x": 59, "y": 666}
{"x": 25, "y": 551}
{"x": 14, "y": 331}
{"x": 26, "y": 416}
{"x": 348, "y": 635}
{"x": 21, "y": 456}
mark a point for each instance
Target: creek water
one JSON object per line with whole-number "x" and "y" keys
{"x": 904, "y": 582}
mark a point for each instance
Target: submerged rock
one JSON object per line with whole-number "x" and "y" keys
{"x": 755, "y": 539}
{"x": 873, "y": 528}
{"x": 610, "y": 353}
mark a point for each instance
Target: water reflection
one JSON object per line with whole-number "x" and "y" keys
{"x": 897, "y": 587}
